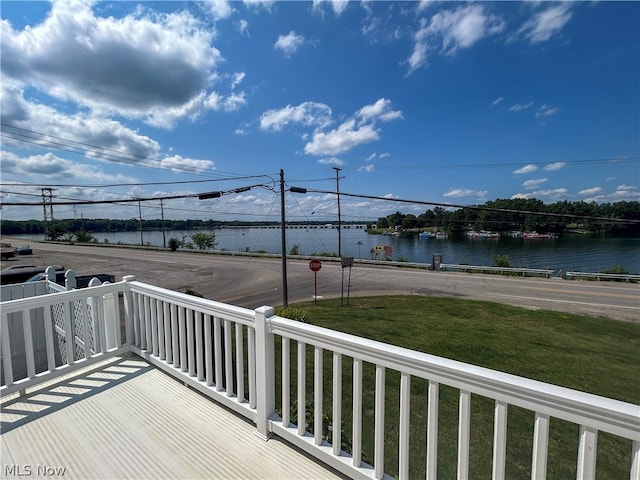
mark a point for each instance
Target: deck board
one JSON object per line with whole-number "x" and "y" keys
{"x": 127, "y": 419}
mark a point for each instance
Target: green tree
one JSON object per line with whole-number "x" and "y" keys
{"x": 204, "y": 240}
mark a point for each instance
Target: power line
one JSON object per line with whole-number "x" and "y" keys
{"x": 369, "y": 197}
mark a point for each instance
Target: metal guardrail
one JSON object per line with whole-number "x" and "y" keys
{"x": 603, "y": 276}
{"x": 524, "y": 271}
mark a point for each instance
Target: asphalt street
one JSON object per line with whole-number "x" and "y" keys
{"x": 254, "y": 281}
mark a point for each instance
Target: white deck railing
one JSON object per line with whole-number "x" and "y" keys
{"x": 229, "y": 354}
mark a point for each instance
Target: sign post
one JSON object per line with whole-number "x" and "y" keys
{"x": 346, "y": 262}
{"x": 314, "y": 266}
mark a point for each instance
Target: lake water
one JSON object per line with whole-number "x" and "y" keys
{"x": 568, "y": 253}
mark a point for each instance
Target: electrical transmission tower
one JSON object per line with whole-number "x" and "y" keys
{"x": 47, "y": 205}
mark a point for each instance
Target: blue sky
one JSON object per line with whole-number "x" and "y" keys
{"x": 449, "y": 102}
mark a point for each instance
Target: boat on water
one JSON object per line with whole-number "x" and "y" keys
{"x": 436, "y": 235}
{"x": 538, "y": 236}
{"x": 482, "y": 234}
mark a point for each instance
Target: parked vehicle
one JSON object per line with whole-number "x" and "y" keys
{"x": 82, "y": 281}
{"x": 22, "y": 273}
{"x": 24, "y": 250}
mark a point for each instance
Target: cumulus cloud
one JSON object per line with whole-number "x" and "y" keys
{"x": 358, "y": 130}
{"x": 555, "y": 166}
{"x": 309, "y": 114}
{"x": 144, "y": 65}
{"x": 547, "y": 23}
{"x": 531, "y": 184}
{"x": 218, "y": 9}
{"x": 450, "y": 30}
{"x": 526, "y": 169}
{"x": 353, "y": 132}
{"x": 555, "y": 193}
{"x": 465, "y": 192}
{"x": 590, "y": 191}
{"x": 331, "y": 161}
{"x": 367, "y": 168}
{"x": 289, "y": 43}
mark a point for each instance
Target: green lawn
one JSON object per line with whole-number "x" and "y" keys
{"x": 594, "y": 355}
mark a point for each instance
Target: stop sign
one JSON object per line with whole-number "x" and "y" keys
{"x": 315, "y": 265}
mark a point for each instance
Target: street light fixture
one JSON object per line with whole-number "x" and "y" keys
{"x": 218, "y": 194}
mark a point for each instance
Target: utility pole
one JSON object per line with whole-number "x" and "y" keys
{"x": 164, "y": 239}
{"x": 339, "y": 218}
{"x": 283, "y": 226}
{"x": 140, "y": 221}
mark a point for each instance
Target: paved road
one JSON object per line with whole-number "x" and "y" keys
{"x": 251, "y": 282}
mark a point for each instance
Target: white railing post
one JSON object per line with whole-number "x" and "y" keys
{"x": 587, "y": 453}
{"x": 70, "y": 281}
{"x": 265, "y": 372}
{"x": 128, "y": 309}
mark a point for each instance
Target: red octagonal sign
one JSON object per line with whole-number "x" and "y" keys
{"x": 315, "y": 265}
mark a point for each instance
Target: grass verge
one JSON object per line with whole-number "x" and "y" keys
{"x": 588, "y": 354}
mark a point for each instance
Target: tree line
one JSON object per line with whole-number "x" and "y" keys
{"x": 514, "y": 215}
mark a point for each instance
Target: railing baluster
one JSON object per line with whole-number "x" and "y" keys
{"x": 217, "y": 351}
{"x": 317, "y": 395}
{"x": 84, "y": 318}
{"x": 239, "y": 363}
{"x": 499, "y": 440}
{"x": 69, "y": 336}
{"x": 138, "y": 323}
{"x": 199, "y": 347}
{"x": 357, "y": 412}
{"x": 160, "y": 329}
{"x": 302, "y": 374}
{"x": 336, "y": 431}
{"x": 464, "y": 424}
{"x": 99, "y": 326}
{"x": 635, "y": 461}
{"x": 183, "y": 338}
{"x": 251, "y": 336}
{"x": 405, "y": 416}
{"x": 175, "y": 337}
{"x": 28, "y": 342}
{"x": 378, "y": 448}
{"x": 6, "y": 350}
{"x": 228, "y": 358}
{"x": 540, "y": 447}
{"x": 191, "y": 354}
{"x": 208, "y": 349}
{"x": 286, "y": 381}
{"x": 587, "y": 453}
{"x": 165, "y": 347}
{"x": 432, "y": 430}
{"x": 153, "y": 324}
{"x": 147, "y": 325}
{"x": 48, "y": 336}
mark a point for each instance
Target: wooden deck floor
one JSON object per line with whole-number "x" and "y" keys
{"x": 127, "y": 419}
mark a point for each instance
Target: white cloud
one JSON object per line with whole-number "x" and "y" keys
{"x": 178, "y": 163}
{"x": 526, "y": 169}
{"x": 497, "y": 101}
{"x": 555, "y": 193}
{"x": 367, "y": 168}
{"x": 546, "y": 111}
{"x": 519, "y": 107}
{"x": 289, "y": 43}
{"x": 531, "y": 184}
{"x": 547, "y": 23}
{"x": 465, "y": 192}
{"x": 331, "y": 161}
{"x": 451, "y": 30}
{"x": 342, "y": 139}
{"x": 590, "y": 191}
{"x": 381, "y": 110}
{"x": 337, "y": 6}
{"x": 218, "y": 9}
{"x": 310, "y": 114}
{"x": 555, "y": 166}
{"x": 115, "y": 65}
